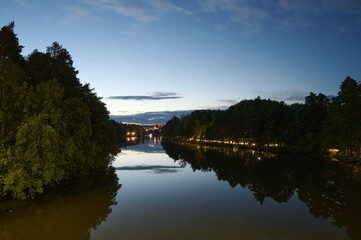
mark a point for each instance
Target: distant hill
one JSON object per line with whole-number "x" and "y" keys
{"x": 149, "y": 117}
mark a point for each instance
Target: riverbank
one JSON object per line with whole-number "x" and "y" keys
{"x": 274, "y": 148}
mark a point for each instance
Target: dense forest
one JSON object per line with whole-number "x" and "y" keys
{"x": 314, "y": 127}
{"x": 52, "y": 127}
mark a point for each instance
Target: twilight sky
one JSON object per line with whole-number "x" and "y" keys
{"x": 157, "y": 55}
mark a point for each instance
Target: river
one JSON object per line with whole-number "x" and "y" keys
{"x": 169, "y": 191}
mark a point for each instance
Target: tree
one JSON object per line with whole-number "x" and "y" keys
{"x": 61, "y": 65}
{"x": 9, "y": 44}
{"x": 170, "y": 128}
{"x": 38, "y": 67}
{"x": 13, "y": 90}
{"x": 343, "y": 125}
{"x": 51, "y": 126}
{"x": 306, "y": 131}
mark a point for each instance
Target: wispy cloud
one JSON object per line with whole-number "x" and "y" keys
{"x": 226, "y": 101}
{"x": 75, "y": 13}
{"x": 22, "y": 3}
{"x": 245, "y": 13}
{"x": 156, "y": 169}
{"x": 253, "y": 16}
{"x": 219, "y": 104}
{"x": 146, "y": 167}
{"x": 82, "y": 11}
{"x": 349, "y": 7}
{"x": 219, "y": 28}
{"x": 345, "y": 28}
{"x": 153, "y": 96}
{"x": 140, "y": 10}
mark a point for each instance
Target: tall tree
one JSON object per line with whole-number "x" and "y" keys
{"x": 9, "y": 44}
{"x": 306, "y": 132}
{"x": 343, "y": 125}
{"x": 62, "y": 68}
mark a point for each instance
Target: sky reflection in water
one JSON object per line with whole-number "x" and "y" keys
{"x": 182, "y": 192}
{"x": 192, "y": 203}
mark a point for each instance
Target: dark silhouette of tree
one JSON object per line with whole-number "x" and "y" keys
{"x": 38, "y": 67}
{"x": 9, "y": 45}
{"x": 343, "y": 125}
{"x": 171, "y": 128}
{"x": 305, "y": 131}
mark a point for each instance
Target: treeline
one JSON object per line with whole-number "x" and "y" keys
{"x": 128, "y": 134}
{"x": 313, "y": 127}
{"x": 52, "y": 127}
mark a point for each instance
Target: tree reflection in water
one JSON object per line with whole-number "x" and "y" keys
{"x": 329, "y": 189}
{"x": 68, "y": 211}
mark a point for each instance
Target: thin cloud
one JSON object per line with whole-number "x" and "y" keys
{"x": 226, "y": 101}
{"x": 253, "y": 16}
{"x": 82, "y": 11}
{"x": 219, "y": 28}
{"x": 140, "y": 10}
{"x": 77, "y": 12}
{"x": 146, "y": 167}
{"x": 249, "y": 15}
{"x": 345, "y": 28}
{"x": 153, "y": 96}
{"x": 220, "y": 104}
{"x": 162, "y": 171}
{"x": 348, "y": 7}
{"x": 22, "y": 3}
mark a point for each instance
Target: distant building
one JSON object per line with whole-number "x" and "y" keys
{"x": 152, "y": 127}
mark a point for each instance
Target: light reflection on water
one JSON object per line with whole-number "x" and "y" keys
{"x": 180, "y": 192}
{"x": 191, "y": 203}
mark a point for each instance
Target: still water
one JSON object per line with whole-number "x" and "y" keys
{"x": 168, "y": 191}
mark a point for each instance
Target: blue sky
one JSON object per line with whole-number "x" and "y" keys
{"x": 158, "y": 55}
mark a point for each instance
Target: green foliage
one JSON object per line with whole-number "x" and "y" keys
{"x": 13, "y": 93}
{"x": 51, "y": 126}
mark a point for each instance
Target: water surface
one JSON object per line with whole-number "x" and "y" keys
{"x": 186, "y": 192}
